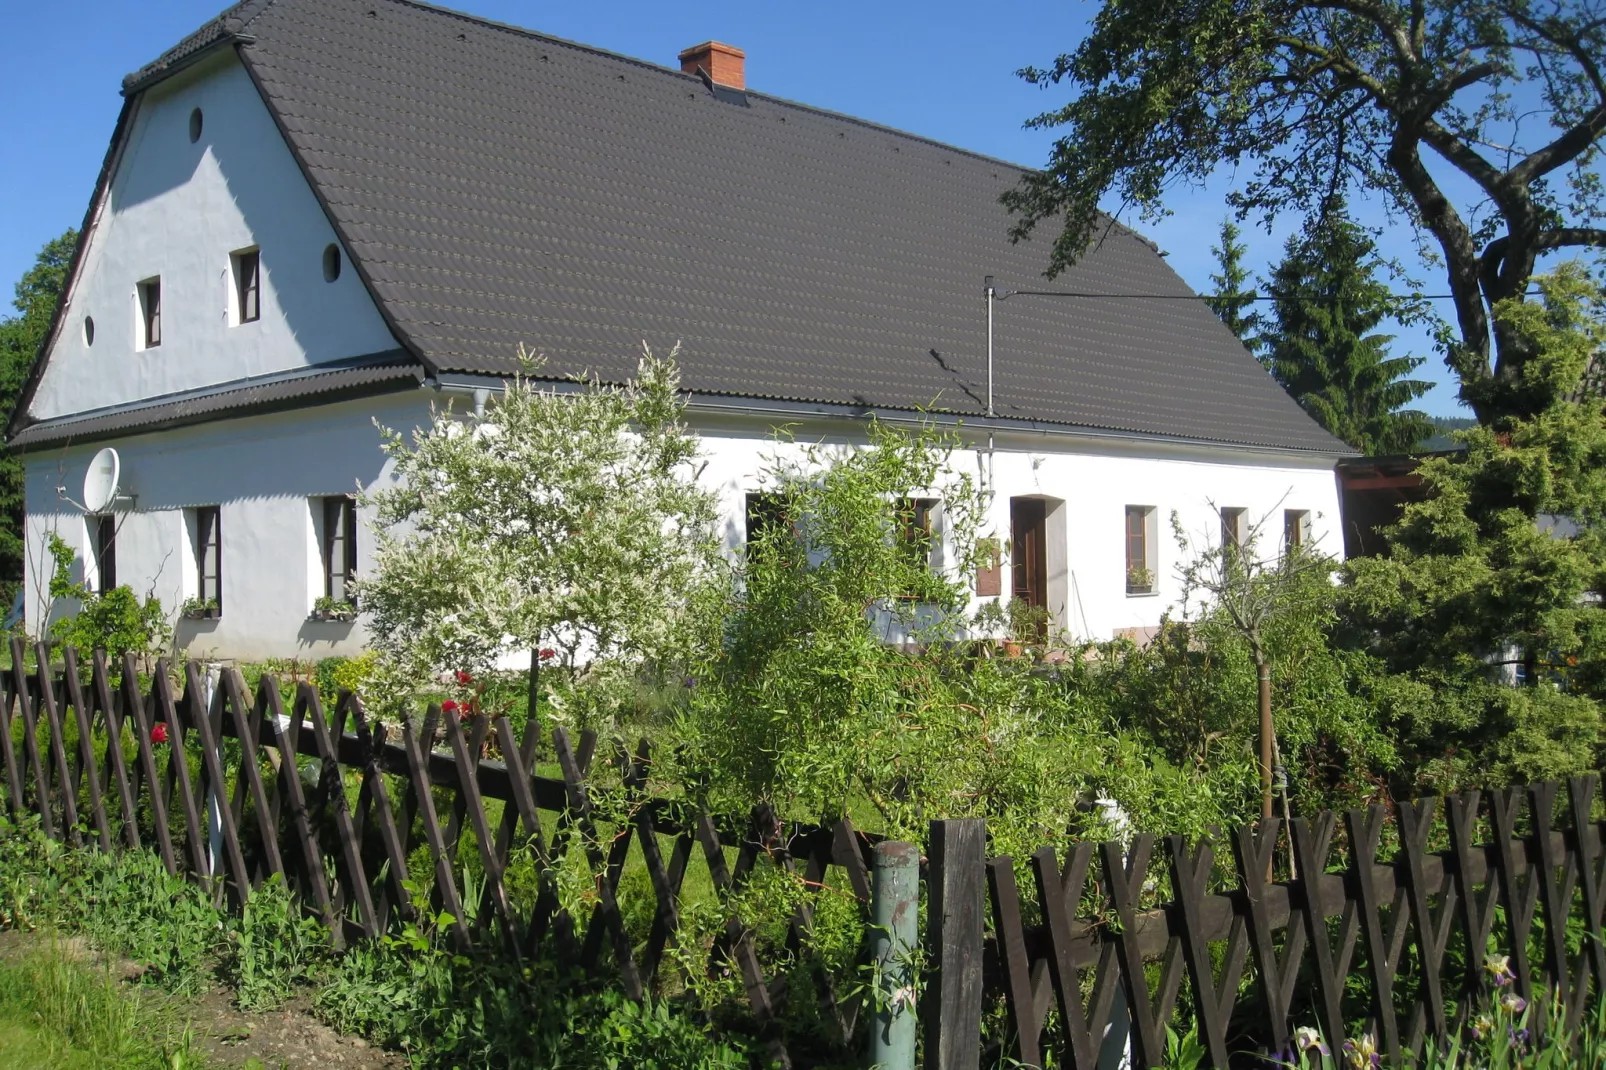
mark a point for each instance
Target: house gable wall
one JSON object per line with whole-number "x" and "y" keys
{"x": 177, "y": 210}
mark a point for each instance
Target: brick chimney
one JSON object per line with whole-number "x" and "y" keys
{"x": 723, "y": 63}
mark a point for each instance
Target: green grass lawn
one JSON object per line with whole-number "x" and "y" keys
{"x": 59, "y": 1011}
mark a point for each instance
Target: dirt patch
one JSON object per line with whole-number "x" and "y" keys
{"x": 290, "y": 1038}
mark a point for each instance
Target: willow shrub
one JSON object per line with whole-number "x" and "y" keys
{"x": 841, "y": 676}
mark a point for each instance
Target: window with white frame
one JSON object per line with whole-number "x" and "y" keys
{"x": 765, "y": 513}
{"x": 916, "y": 516}
{"x": 103, "y": 550}
{"x": 1296, "y": 529}
{"x": 338, "y": 546}
{"x": 246, "y": 267}
{"x": 206, "y": 534}
{"x": 1141, "y": 550}
{"x": 1234, "y": 527}
{"x": 150, "y": 313}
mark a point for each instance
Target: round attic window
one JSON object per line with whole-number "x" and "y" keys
{"x": 195, "y": 125}
{"x": 89, "y": 330}
{"x": 331, "y": 263}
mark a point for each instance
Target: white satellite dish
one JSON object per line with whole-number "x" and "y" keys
{"x": 101, "y": 481}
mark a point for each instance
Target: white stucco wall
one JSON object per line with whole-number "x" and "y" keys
{"x": 263, "y": 470}
{"x": 177, "y": 210}
{"x": 1088, "y": 482}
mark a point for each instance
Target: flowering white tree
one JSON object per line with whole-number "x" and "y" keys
{"x": 564, "y": 516}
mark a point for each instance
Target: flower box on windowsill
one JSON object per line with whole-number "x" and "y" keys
{"x": 333, "y": 610}
{"x": 195, "y": 609}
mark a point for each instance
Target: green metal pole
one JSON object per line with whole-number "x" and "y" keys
{"x": 895, "y": 911}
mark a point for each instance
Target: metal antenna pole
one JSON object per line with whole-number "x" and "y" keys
{"x": 987, "y": 283}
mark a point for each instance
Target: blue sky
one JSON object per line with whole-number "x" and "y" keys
{"x": 939, "y": 68}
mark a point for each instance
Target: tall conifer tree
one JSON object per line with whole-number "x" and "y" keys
{"x": 1319, "y": 340}
{"x": 1232, "y": 297}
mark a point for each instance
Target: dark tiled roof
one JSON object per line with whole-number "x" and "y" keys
{"x": 496, "y": 186}
{"x": 324, "y": 383}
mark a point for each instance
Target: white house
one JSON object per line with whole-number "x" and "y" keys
{"x": 316, "y": 214}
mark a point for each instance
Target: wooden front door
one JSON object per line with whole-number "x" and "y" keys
{"x": 1028, "y": 552}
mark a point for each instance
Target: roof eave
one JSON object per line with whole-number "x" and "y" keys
{"x": 380, "y": 373}
{"x": 737, "y": 405}
{"x": 146, "y": 77}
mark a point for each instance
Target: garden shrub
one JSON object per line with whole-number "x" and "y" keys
{"x": 116, "y": 621}
{"x": 446, "y": 1009}
{"x": 273, "y": 946}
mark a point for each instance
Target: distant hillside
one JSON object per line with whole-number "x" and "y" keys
{"x": 1443, "y": 425}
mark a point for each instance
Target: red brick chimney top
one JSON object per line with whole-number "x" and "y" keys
{"x": 723, "y": 63}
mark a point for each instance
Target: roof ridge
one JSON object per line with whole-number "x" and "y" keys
{"x": 659, "y": 68}
{"x": 523, "y": 31}
{"x": 786, "y": 102}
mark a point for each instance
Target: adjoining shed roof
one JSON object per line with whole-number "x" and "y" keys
{"x": 497, "y": 187}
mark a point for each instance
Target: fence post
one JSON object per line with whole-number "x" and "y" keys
{"x": 895, "y": 913}
{"x": 1115, "y": 1051}
{"x": 955, "y": 901}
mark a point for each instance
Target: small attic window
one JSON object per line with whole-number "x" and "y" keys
{"x": 331, "y": 262}
{"x": 89, "y": 330}
{"x": 195, "y": 125}
{"x": 150, "y": 313}
{"x": 247, "y": 265}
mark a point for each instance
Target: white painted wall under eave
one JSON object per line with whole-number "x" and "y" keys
{"x": 177, "y": 210}
{"x": 263, "y": 470}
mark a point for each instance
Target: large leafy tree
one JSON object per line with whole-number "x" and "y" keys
{"x": 561, "y": 518}
{"x": 1321, "y": 345}
{"x": 1507, "y": 97}
{"x": 21, "y": 337}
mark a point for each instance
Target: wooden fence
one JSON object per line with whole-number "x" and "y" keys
{"x": 349, "y": 862}
{"x": 1397, "y": 948}
{"x": 1388, "y": 922}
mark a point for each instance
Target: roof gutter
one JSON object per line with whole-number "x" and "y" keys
{"x": 728, "y": 405}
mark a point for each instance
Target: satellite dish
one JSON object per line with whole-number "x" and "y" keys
{"x": 101, "y": 481}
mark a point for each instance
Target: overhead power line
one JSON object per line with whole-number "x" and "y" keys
{"x": 1001, "y": 295}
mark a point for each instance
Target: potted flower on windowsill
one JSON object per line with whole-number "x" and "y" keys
{"x": 1139, "y": 581}
{"x": 200, "y": 609}
{"x": 333, "y": 609}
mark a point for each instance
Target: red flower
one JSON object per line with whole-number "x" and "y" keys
{"x": 159, "y": 732}
{"x": 449, "y": 706}
{"x": 547, "y": 653}
{"x": 464, "y": 678}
